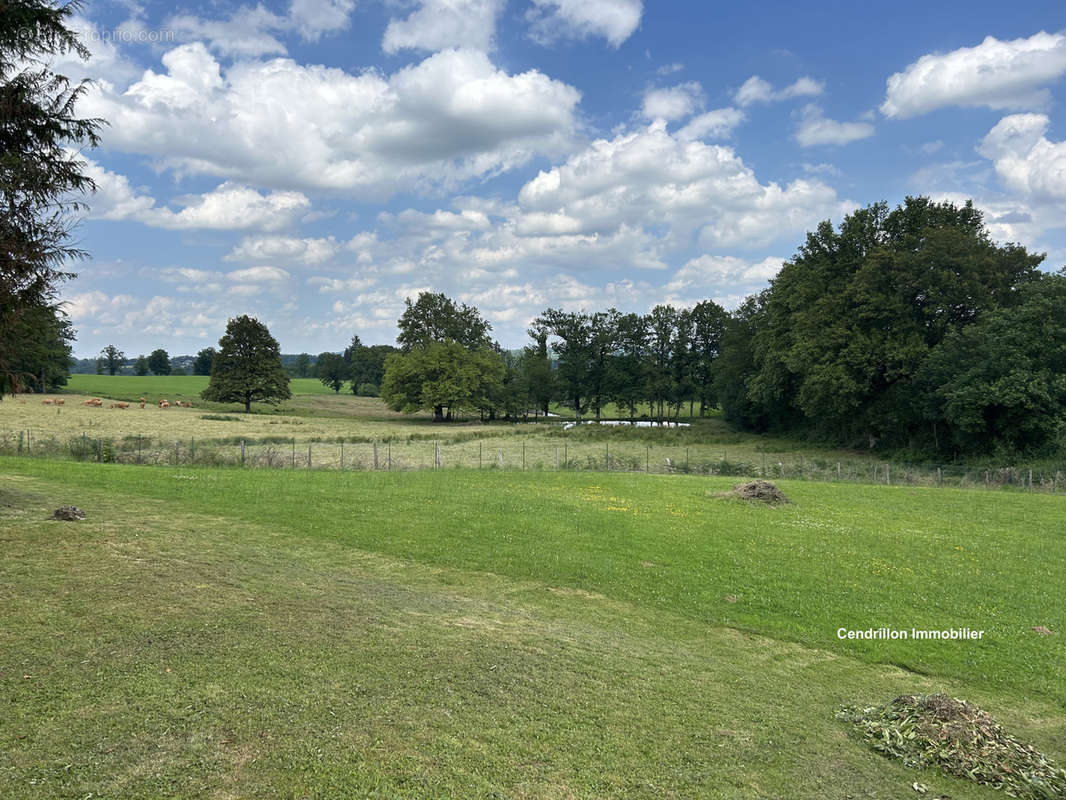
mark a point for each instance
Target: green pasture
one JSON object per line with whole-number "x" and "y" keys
{"x": 453, "y": 633}
{"x": 157, "y": 387}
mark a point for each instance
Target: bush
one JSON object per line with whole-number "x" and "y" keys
{"x": 367, "y": 390}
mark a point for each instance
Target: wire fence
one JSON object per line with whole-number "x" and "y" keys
{"x": 541, "y": 454}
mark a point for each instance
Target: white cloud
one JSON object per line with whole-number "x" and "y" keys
{"x": 673, "y": 103}
{"x": 815, "y": 129}
{"x": 285, "y": 249}
{"x": 717, "y": 124}
{"x": 757, "y": 90}
{"x": 669, "y": 69}
{"x": 711, "y": 273}
{"x": 449, "y": 118}
{"x": 995, "y": 74}
{"x": 614, "y": 20}
{"x": 251, "y": 32}
{"x": 258, "y": 275}
{"x": 312, "y": 18}
{"x": 230, "y": 206}
{"x": 1025, "y": 160}
{"x": 649, "y": 179}
{"x": 440, "y": 24}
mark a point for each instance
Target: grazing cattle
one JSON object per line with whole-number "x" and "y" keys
{"x": 95, "y": 402}
{"x": 164, "y": 404}
{"x": 120, "y": 405}
{"x": 60, "y": 401}
{"x": 47, "y": 402}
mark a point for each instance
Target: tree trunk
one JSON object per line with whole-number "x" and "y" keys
{"x": 438, "y": 413}
{"x": 247, "y": 405}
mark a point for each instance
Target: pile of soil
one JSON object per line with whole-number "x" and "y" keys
{"x": 760, "y": 491}
{"x": 68, "y": 514}
{"x": 961, "y": 740}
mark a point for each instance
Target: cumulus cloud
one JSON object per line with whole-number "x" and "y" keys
{"x": 285, "y": 249}
{"x": 757, "y": 90}
{"x": 251, "y": 32}
{"x": 277, "y": 123}
{"x": 1025, "y": 160}
{"x": 714, "y": 274}
{"x": 717, "y": 124}
{"x": 996, "y": 74}
{"x": 440, "y": 24}
{"x": 650, "y": 179}
{"x": 814, "y": 129}
{"x": 230, "y": 206}
{"x": 258, "y": 275}
{"x": 614, "y": 20}
{"x": 673, "y": 103}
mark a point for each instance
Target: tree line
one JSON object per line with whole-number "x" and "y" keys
{"x": 902, "y": 329}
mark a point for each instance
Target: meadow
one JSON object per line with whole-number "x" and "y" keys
{"x": 454, "y": 633}
{"x": 320, "y": 429}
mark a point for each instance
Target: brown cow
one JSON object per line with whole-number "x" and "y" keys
{"x": 164, "y": 404}
{"x": 120, "y": 405}
{"x": 60, "y": 401}
{"x": 47, "y": 402}
{"x": 96, "y": 402}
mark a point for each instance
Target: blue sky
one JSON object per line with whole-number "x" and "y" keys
{"x": 314, "y": 162}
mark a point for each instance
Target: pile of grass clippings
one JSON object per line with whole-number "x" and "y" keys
{"x": 959, "y": 739}
{"x": 760, "y": 491}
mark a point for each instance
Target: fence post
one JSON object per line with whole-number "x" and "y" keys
{"x": 939, "y": 477}
{"x": 988, "y": 480}
{"x": 375, "y": 455}
{"x": 838, "y": 472}
{"x": 192, "y": 448}
{"x": 436, "y": 455}
{"x": 1030, "y": 480}
{"x": 390, "y": 453}
{"x": 177, "y": 453}
{"x": 242, "y": 452}
{"x": 499, "y": 457}
{"x": 566, "y": 460}
{"x": 647, "y": 458}
{"x": 342, "y": 455}
{"x": 523, "y": 455}
{"x": 99, "y": 451}
{"x": 557, "y": 457}
{"x": 293, "y": 452}
{"x": 888, "y": 475}
{"x": 607, "y": 457}
{"x": 479, "y": 446}
{"x": 85, "y": 446}
{"x": 138, "y": 447}
{"x": 20, "y": 442}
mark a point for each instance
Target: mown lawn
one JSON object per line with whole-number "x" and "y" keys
{"x": 226, "y": 633}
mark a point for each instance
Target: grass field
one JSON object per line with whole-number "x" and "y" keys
{"x": 323, "y": 430}
{"x": 225, "y": 633}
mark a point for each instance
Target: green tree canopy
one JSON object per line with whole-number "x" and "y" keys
{"x": 41, "y": 177}
{"x": 247, "y": 367}
{"x": 850, "y": 319}
{"x": 1000, "y": 384}
{"x": 331, "y": 370}
{"x": 159, "y": 362}
{"x": 203, "y": 362}
{"x": 441, "y": 376}
{"x": 113, "y": 359}
{"x": 140, "y": 366}
{"x": 435, "y": 318}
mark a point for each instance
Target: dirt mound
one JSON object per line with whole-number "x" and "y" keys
{"x": 760, "y": 491}
{"x": 68, "y": 514}
{"x": 959, "y": 739}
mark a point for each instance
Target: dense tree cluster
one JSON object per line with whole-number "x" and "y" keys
{"x": 907, "y": 329}
{"x": 901, "y": 329}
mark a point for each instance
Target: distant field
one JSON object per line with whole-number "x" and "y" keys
{"x": 210, "y": 633}
{"x": 156, "y": 387}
